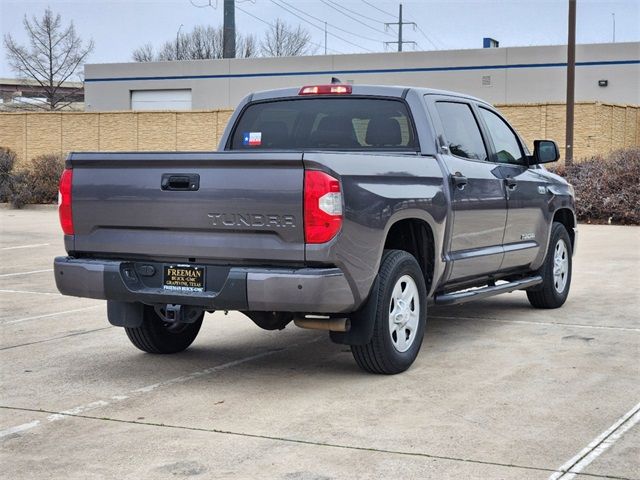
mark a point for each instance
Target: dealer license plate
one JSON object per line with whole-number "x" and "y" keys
{"x": 184, "y": 278}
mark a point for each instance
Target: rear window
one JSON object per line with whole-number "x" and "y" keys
{"x": 325, "y": 124}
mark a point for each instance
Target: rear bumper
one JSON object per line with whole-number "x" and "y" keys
{"x": 308, "y": 290}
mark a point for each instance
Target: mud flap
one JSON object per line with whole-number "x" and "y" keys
{"x": 362, "y": 322}
{"x": 125, "y": 314}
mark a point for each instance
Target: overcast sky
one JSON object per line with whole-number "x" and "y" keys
{"x": 118, "y": 26}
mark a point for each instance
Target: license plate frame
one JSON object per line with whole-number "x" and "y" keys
{"x": 184, "y": 278}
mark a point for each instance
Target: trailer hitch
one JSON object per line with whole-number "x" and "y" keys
{"x": 175, "y": 314}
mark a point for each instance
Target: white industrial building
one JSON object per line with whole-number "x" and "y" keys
{"x": 607, "y": 72}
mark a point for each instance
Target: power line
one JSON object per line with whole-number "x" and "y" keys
{"x": 323, "y": 22}
{"x": 210, "y": 4}
{"x": 339, "y": 8}
{"x": 425, "y": 36}
{"x": 335, "y": 7}
{"x": 321, "y": 28}
{"x": 379, "y": 9}
{"x": 273, "y": 26}
{"x": 331, "y": 25}
{"x": 357, "y": 13}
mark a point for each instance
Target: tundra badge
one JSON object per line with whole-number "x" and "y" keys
{"x": 251, "y": 220}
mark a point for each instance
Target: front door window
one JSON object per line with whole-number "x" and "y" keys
{"x": 507, "y": 146}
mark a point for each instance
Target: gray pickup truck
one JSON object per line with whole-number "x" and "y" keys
{"x": 337, "y": 207}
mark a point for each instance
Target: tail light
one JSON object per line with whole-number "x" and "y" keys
{"x": 334, "y": 89}
{"x": 64, "y": 202}
{"x": 322, "y": 207}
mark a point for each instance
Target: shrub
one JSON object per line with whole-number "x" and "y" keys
{"x": 44, "y": 177}
{"x": 20, "y": 189}
{"x": 7, "y": 162}
{"x": 37, "y": 183}
{"x": 607, "y": 188}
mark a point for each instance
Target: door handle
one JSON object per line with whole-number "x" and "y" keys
{"x": 459, "y": 180}
{"x": 511, "y": 183}
{"x": 180, "y": 181}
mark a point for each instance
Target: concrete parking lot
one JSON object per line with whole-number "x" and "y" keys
{"x": 500, "y": 390}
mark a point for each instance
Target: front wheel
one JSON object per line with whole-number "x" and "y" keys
{"x": 157, "y": 336}
{"x": 556, "y": 271}
{"x": 400, "y": 316}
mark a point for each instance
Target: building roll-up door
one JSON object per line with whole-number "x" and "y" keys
{"x": 161, "y": 99}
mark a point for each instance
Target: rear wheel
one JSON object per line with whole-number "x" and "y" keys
{"x": 556, "y": 272}
{"x": 400, "y": 316}
{"x": 157, "y": 336}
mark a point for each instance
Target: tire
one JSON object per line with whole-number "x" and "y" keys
{"x": 555, "y": 271}
{"x": 388, "y": 352}
{"x": 157, "y": 336}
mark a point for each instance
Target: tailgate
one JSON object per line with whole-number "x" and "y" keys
{"x": 245, "y": 206}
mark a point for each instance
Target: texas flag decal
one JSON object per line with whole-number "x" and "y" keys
{"x": 252, "y": 138}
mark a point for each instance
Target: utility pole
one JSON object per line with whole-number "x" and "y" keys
{"x": 229, "y": 30}
{"x": 400, "y": 29}
{"x": 613, "y": 16}
{"x": 325, "y": 38}
{"x": 571, "y": 77}
{"x": 400, "y": 23}
{"x": 178, "y": 42}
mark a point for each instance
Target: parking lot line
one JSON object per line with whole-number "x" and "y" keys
{"x": 35, "y": 245}
{"x": 19, "y": 428}
{"x": 20, "y": 320}
{"x": 532, "y": 322}
{"x": 23, "y": 265}
{"x": 147, "y": 389}
{"x": 29, "y": 292}
{"x": 300, "y": 441}
{"x": 51, "y": 339}
{"x": 598, "y": 445}
{"x": 25, "y": 273}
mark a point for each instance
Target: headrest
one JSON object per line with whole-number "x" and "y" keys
{"x": 274, "y": 134}
{"x": 383, "y": 132}
{"x": 335, "y": 131}
{"x": 333, "y": 123}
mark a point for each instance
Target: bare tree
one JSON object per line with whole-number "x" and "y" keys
{"x": 247, "y": 46}
{"x": 53, "y": 56}
{"x": 202, "y": 43}
{"x": 167, "y": 52}
{"x": 283, "y": 40}
{"x": 144, "y": 53}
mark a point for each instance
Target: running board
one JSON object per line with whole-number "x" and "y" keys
{"x": 456, "y": 298}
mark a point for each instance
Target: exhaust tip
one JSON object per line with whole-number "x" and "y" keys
{"x": 323, "y": 323}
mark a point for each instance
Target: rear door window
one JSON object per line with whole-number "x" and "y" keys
{"x": 461, "y": 131}
{"x": 325, "y": 124}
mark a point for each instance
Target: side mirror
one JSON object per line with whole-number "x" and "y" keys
{"x": 545, "y": 151}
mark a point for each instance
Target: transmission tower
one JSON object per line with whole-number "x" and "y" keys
{"x": 400, "y": 42}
